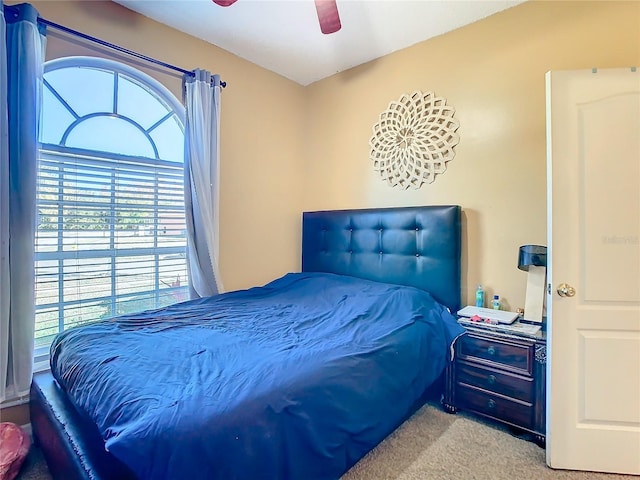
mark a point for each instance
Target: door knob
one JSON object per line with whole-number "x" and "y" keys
{"x": 565, "y": 290}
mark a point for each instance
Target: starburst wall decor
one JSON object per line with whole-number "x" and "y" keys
{"x": 413, "y": 140}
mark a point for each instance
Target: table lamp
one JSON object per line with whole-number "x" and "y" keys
{"x": 533, "y": 259}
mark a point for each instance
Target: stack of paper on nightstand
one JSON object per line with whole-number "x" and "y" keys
{"x": 501, "y": 316}
{"x": 516, "y": 327}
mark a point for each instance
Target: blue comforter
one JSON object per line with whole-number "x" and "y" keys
{"x": 297, "y": 379}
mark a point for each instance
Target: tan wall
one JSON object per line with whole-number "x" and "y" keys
{"x": 493, "y": 73}
{"x": 261, "y": 133}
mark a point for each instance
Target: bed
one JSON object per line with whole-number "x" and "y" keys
{"x": 266, "y": 385}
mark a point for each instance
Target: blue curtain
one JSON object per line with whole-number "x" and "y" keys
{"x": 202, "y": 181}
{"x": 22, "y": 44}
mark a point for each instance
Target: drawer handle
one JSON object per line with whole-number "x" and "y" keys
{"x": 491, "y": 379}
{"x": 491, "y": 350}
{"x": 491, "y": 404}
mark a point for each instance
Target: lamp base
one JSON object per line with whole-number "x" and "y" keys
{"x": 534, "y": 300}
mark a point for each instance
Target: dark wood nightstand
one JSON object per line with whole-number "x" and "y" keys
{"x": 501, "y": 376}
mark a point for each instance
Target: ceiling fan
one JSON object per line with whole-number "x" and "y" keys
{"x": 327, "y": 14}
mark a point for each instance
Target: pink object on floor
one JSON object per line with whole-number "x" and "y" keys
{"x": 14, "y": 446}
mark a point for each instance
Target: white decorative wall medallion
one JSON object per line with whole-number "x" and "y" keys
{"x": 413, "y": 140}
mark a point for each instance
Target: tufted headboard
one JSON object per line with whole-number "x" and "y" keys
{"x": 416, "y": 246}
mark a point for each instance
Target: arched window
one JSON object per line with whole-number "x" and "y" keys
{"x": 111, "y": 234}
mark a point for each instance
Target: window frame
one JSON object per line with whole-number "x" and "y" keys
{"x": 156, "y": 89}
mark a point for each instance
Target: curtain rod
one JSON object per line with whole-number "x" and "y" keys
{"x": 118, "y": 48}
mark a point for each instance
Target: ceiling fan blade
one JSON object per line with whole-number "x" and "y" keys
{"x": 328, "y": 16}
{"x": 224, "y": 3}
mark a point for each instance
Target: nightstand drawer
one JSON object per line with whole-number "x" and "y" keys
{"x": 510, "y": 355}
{"x": 508, "y": 410}
{"x": 521, "y": 388}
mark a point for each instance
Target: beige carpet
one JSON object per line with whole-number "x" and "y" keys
{"x": 433, "y": 445}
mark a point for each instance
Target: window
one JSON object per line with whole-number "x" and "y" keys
{"x": 111, "y": 235}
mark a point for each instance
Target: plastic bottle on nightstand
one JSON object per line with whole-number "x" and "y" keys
{"x": 479, "y": 296}
{"x": 495, "y": 303}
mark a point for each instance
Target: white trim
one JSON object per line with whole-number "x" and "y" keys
{"x": 42, "y": 366}
{"x": 15, "y": 402}
{"x": 28, "y": 430}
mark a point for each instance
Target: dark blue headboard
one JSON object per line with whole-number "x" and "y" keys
{"x": 416, "y": 246}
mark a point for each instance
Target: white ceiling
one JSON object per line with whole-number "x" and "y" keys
{"x": 283, "y": 35}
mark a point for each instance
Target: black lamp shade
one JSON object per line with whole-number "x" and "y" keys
{"x": 532, "y": 255}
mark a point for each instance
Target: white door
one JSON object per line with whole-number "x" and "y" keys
{"x": 593, "y": 165}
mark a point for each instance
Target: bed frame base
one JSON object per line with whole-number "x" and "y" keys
{"x": 71, "y": 445}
